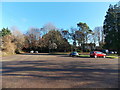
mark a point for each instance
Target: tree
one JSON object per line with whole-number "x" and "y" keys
{"x": 19, "y": 39}
{"x": 52, "y": 46}
{"x": 48, "y": 27}
{"x": 111, "y": 28}
{"x": 5, "y": 31}
{"x": 70, "y": 36}
{"x": 84, "y": 32}
{"x": 7, "y": 45}
{"x": 65, "y": 34}
{"x": 78, "y": 36}
{"x": 33, "y": 37}
{"x": 73, "y": 37}
{"x": 98, "y": 36}
{"x": 55, "y": 40}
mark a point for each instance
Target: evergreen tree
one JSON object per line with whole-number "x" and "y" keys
{"x": 54, "y": 40}
{"x": 112, "y": 27}
{"x": 5, "y": 31}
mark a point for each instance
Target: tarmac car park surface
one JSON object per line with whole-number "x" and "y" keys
{"x": 58, "y": 71}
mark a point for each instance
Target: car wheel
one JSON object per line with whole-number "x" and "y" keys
{"x": 91, "y": 56}
{"x": 104, "y": 56}
{"x": 95, "y": 56}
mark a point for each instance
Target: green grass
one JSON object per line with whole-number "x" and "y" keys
{"x": 112, "y": 57}
{"x": 59, "y": 53}
{"x": 81, "y": 55}
{"x": 84, "y": 55}
{"x": 112, "y": 54}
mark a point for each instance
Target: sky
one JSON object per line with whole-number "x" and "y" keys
{"x": 65, "y": 15}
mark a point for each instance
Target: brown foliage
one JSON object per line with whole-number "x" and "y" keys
{"x": 8, "y": 46}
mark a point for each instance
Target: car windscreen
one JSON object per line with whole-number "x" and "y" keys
{"x": 99, "y": 52}
{"x": 75, "y": 52}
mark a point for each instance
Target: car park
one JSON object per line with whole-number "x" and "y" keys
{"x": 112, "y": 52}
{"x": 74, "y": 54}
{"x": 96, "y": 54}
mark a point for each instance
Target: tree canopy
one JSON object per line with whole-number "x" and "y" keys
{"x": 5, "y": 31}
{"x": 112, "y": 27}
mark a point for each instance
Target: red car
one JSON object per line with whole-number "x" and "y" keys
{"x": 97, "y": 54}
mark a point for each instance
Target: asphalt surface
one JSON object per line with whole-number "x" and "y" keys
{"x": 58, "y": 71}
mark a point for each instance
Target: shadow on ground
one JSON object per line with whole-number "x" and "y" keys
{"x": 61, "y": 55}
{"x": 72, "y": 70}
{"x": 42, "y": 54}
{"x": 104, "y": 75}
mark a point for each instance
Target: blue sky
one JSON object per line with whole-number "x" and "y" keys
{"x": 62, "y": 14}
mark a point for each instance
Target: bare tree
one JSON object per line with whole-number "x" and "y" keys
{"x": 98, "y": 36}
{"x": 47, "y": 27}
{"x": 33, "y": 37}
{"x": 19, "y": 38}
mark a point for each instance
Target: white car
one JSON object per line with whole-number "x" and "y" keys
{"x": 32, "y": 51}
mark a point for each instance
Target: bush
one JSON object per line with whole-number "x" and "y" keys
{"x": 79, "y": 50}
{"x": 17, "y": 51}
{"x": 8, "y": 47}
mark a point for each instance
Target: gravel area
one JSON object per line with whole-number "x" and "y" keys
{"x": 58, "y": 71}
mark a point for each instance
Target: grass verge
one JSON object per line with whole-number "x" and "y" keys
{"x": 113, "y": 57}
{"x": 59, "y": 53}
{"x": 84, "y": 55}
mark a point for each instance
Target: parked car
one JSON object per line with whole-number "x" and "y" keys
{"x": 115, "y": 52}
{"x": 32, "y": 51}
{"x": 97, "y": 54}
{"x": 105, "y": 51}
{"x": 111, "y": 52}
{"x": 36, "y": 51}
{"x": 74, "y": 54}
